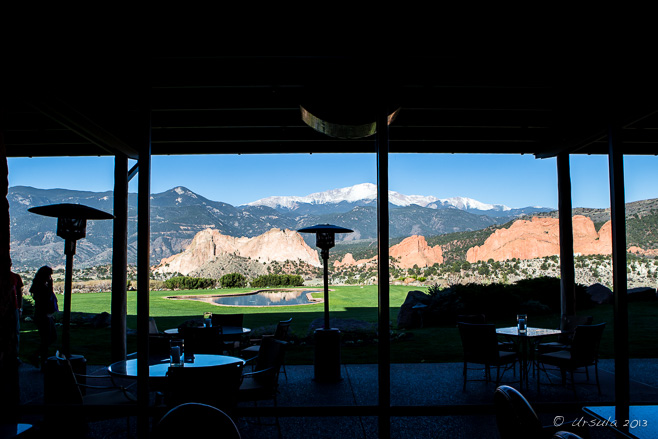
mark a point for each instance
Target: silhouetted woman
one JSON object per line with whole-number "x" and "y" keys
{"x": 45, "y": 305}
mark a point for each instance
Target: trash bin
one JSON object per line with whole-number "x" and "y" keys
{"x": 327, "y": 355}
{"x": 56, "y": 385}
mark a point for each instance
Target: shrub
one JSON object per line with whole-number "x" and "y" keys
{"x": 278, "y": 280}
{"x": 433, "y": 290}
{"x": 498, "y": 300}
{"x": 189, "y": 283}
{"x": 495, "y": 299}
{"x": 546, "y": 290}
{"x": 233, "y": 280}
{"x": 444, "y": 305}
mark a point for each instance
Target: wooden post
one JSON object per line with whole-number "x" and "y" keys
{"x": 567, "y": 270}
{"x": 384, "y": 351}
{"x": 119, "y": 258}
{"x": 9, "y": 377}
{"x": 619, "y": 276}
{"x": 143, "y": 276}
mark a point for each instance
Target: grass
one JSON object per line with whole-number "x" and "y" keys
{"x": 434, "y": 344}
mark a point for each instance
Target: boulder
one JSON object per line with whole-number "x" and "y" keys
{"x": 641, "y": 294}
{"x": 101, "y": 320}
{"x": 600, "y": 293}
{"x": 410, "y": 314}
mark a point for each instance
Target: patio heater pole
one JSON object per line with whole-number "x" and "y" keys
{"x": 327, "y": 339}
{"x": 325, "y": 262}
{"x": 69, "y": 251}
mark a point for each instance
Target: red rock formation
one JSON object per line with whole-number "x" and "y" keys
{"x": 639, "y": 251}
{"x": 415, "y": 251}
{"x": 541, "y": 237}
{"x": 274, "y": 245}
{"x": 411, "y": 251}
{"x": 348, "y": 260}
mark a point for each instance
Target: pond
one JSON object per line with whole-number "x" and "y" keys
{"x": 260, "y": 298}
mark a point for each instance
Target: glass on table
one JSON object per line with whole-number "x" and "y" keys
{"x": 207, "y": 319}
{"x": 522, "y": 323}
{"x": 176, "y": 352}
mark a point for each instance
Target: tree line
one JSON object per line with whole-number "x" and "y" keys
{"x": 234, "y": 280}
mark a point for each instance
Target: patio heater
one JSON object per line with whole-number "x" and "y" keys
{"x": 71, "y": 225}
{"x": 327, "y": 339}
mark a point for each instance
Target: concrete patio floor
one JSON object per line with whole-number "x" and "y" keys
{"x": 412, "y": 385}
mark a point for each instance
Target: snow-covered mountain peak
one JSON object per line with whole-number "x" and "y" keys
{"x": 368, "y": 192}
{"x": 469, "y": 203}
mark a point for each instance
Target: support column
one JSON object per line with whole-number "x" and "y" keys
{"x": 567, "y": 270}
{"x": 9, "y": 376}
{"x": 384, "y": 351}
{"x": 143, "y": 276}
{"x": 119, "y": 258}
{"x": 619, "y": 276}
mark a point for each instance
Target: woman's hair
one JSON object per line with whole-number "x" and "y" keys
{"x": 41, "y": 277}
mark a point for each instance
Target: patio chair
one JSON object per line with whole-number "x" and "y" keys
{"x": 153, "y": 327}
{"x": 280, "y": 333}
{"x": 481, "y": 319}
{"x": 202, "y": 340}
{"x": 563, "y": 341}
{"x": 231, "y": 344}
{"x": 516, "y": 419}
{"x": 227, "y": 319}
{"x": 76, "y": 385}
{"x": 76, "y": 390}
{"x": 480, "y": 345}
{"x": 195, "y": 419}
{"x": 213, "y": 385}
{"x": 471, "y": 318}
{"x": 263, "y": 383}
{"x": 584, "y": 352}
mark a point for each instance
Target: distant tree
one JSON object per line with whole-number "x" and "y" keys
{"x": 233, "y": 280}
{"x": 189, "y": 283}
{"x": 277, "y": 280}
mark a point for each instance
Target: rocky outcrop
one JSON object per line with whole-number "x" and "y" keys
{"x": 209, "y": 244}
{"x": 413, "y": 250}
{"x": 412, "y": 310}
{"x": 600, "y": 293}
{"x": 641, "y": 252}
{"x": 540, "y": 237}
{"x": 349, "y": 261}
{"x": 641, "y": 294}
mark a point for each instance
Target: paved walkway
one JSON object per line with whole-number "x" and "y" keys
{"x": 412, "y": 385}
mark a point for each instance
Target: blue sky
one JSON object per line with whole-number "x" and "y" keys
{"x": 512, "y": 180}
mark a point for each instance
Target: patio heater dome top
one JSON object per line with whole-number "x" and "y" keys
{"x": 325, "y": 234}
{"x": 325, "y": 228}
{"x": 71, "y": 219}
{"x": 70, "y": 210}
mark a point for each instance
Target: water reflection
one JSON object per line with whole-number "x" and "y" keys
{"x": 263, "y": 298}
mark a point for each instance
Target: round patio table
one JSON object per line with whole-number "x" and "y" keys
{"x": 158, "y": 367}
{"x": 526, "y": 342}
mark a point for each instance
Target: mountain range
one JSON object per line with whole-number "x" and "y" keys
{"x": 178, "y": 214}
{"x": 365, "y": 194}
